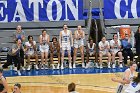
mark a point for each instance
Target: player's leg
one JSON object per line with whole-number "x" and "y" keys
{"x": 82, "y": 55}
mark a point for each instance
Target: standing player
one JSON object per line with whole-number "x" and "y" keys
{"x": 104, "y": 48}
{"x": 44, "y": 40}
{"x": 115, "y": 45}
{"x": 79, "y": 36}
{"x": 90, "y": 51}
{"x": 134, "y": 86}
{"x": 66, "y": 41}
{"x": 127, "y": 78}
{"x": 55, "y": 50}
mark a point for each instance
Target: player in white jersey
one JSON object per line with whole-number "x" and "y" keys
{"x": 66, "y": 42}
{"x": 44, "y": 47}
{"x": 134, "y": 86}
{"x": 79, "y": 36}
{"x": 115, "y": 45}
{"x": 126, "y": 79}
{"x": 104, "y": 48}
{"x": 90, "y": 51}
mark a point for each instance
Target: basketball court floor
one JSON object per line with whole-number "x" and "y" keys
{"x": 91, "y": 80}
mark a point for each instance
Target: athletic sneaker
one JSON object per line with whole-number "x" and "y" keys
{"x": 42, "y": 66}
{"x": 19, "y": 73}
{"x": 113, "y": 66}
{"x": 88, "y": 65}
{"x": 70, "y": 66}
{"x": 62, "y": 67}
{"x": 53, "y": 67}
{"x": 29, "y": 67}
{"x": 109, "y": 65}
{"x": 15, "y": 69}
{"x": 74, "y": 65}
{"x": 23, "y": 68}
{"x": 58, "y": 66}
{"x": 45, "y": 66}
{"x": 83, "y": 65}
{"x": 96, "y": 65}
{"x": 121, "y": 66}
{"x": 101, "y": 66}
{"x": 36, "y": 67}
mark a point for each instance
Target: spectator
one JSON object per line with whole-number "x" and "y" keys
{"x": 16, "y": 55}
{"x": 115, "y": 45}
{"x": 137, "y": 39}
{"x": 90, "y": 51}
{"x": 31, "y": 51}
{"x": 44, "y": 41}
{"x": 134, "y": 86}
{"x": 104, "y": 48}
{"x": 55, "y": 51}
{"x": 19, "y": 34}
{"x": 66, "y": 42}
{"x": 126, "y": 44}
{"x": 71, "y": 88}
{"x": 3, "y": 83}
{"x": 17, "y": 88}
{"x": 79, "y": 36}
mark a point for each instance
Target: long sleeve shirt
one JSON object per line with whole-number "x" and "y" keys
{"x": 125, "y": 44}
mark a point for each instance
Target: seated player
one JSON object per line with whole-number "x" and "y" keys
{"x": 55, "y": 50}
{"x": 104, "y": 48}
{"x": 90, "y": 51}
{"x": 31, "y": 51}
{"x": 115, "y": 45}
{"x": 79, "y": 36}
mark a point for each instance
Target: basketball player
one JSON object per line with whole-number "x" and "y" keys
{"x": 71, "y": 88}
{"x": 31, "y": 51}
{"x": 3, "y": 83}
{"x": 79, "y": 36}
{"x": 134, "y": 86}
{"x": 55, "y": 50}
{"x": 66, "y": 42}
{"x": 104, "y": 48}
{"x": 115, "y": 45}
{"x": 44, "y": 48}
{"x": 90, "y": 51}
{"x": 17, "y": 88}
{"x": 127, "y": 78}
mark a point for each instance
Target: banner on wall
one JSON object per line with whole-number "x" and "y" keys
{"x": 121, "y": 9}
{"x": 40, "y": 10}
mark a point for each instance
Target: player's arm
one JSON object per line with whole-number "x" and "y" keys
{"x": 51, "y": 48}
{"x": 75, "y": 35}
{"x": 4, "y": 82}
{"x": 83, "y": 34}
{"x": 87, "y": 48}
{"x": 40, "y": 40}
{"x": 100, "y": 47}
{"x": 108, "y": 46}
{"x": 48, "y": 40}
{"x": 60, "y": 36}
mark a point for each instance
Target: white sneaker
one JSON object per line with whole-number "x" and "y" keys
{"x": 87, "y": 65}
{"x": 29, "y": 68}
{"x": 74, "y": 65}
{"x": 109, "y": 65}
{"x": 96, "y": 65}
{"x": 121, "y": 66}
{"x": 36, "y": 67}
{"x": 113, "y": 66}
{"x": 83, "y": 65}
{"x": 70, "y": 66}
{"x": 58, "y": 66}
{"x": 62, "y": 67}
{"x": 42, "y": 66}
{"x": 45, "y": 67}
{"x": 19, "y": 73}
{"x": 101, "y": 66}
{"x": 23, "y": 68}
{"x": 15, "y": 69}
{"x": 53, "y": 67}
